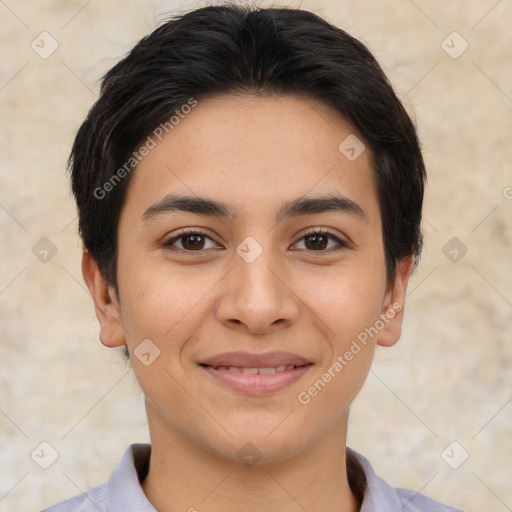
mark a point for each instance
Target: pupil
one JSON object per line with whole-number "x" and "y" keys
{"x": 197, "y": 239}
{"x": 316, "y": 238}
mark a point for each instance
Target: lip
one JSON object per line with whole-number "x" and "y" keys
{"x": 255, "y": 384}
{"x": 251, "y": 360}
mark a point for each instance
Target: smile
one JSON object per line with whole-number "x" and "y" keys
{"x": 255, "y": 380}
{"x": 255, "y": 371}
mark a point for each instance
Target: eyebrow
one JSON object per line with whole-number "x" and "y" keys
{"x": 301, "y": 206}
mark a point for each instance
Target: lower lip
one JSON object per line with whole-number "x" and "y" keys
{"x": 259, "y": 384}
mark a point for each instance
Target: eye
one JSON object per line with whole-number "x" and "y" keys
{"x": 191, "y": 240}
{"x": 317, "y": 239}
{"x": 194, "y": 240}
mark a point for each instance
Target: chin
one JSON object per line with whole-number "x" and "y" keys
{"x": 256, "y": 448}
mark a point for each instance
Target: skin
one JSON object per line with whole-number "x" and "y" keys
{"x": 253, "y": 153}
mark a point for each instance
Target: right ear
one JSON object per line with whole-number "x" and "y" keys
{"x": 106, "y": 304}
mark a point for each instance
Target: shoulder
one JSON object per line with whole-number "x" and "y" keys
{"x": 121, "y": 492}
{"x": 93, "y": 500}
{"x": 413, "y": 501}
{"x": 378, "y": 495}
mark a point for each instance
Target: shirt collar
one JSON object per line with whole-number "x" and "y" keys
{"x": 376, "y": 493}
{"x": 124, "y": 490}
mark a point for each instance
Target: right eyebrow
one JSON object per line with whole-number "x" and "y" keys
{"x": 192, "y": 204}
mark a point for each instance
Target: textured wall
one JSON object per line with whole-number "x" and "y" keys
{"x": 449, "y": 377}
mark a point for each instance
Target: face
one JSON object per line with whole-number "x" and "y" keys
{"x": 272, "y": 259}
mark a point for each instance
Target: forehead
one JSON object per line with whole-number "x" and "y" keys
{"x": 254, "y": 151}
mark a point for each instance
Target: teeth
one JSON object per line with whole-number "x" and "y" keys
{"x": 254, "y": 371}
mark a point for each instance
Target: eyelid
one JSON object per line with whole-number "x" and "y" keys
{"x": 188, "y": 231}
{"x": 341, "y": 241}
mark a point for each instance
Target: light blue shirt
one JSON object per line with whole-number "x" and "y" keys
{"x": 123, "y": 492}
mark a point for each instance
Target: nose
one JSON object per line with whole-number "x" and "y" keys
{"x": 256, "y": 297}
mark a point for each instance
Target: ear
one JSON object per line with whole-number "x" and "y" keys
{"x": 394, "y": 301}
{"x": 106, "y": 304}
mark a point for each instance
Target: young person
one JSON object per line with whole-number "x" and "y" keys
{"x": 249, "y": 190}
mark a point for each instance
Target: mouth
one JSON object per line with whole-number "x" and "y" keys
{"x": 255, "y": 374}
{"x": 257, "y": 371}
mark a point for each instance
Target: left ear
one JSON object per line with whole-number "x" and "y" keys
{"x": 394, "y": 301}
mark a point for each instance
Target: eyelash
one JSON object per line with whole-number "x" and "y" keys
{"x": 312, "y": 231}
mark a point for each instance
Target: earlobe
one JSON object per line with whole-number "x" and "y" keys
{"x": 393, "y": 307}
{"x": 106, "y": 305}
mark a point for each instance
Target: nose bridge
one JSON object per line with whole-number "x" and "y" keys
{"x": 256, "y": 283}
{"x": 256, "y": 294}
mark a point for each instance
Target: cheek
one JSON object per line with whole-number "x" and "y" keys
{"x": 346, "y": 301}
{"x": 164, "y": 304}
{"x": 152, "y": 298}
{"x": 347, "y": 311}
{"x": 347, "y": 306}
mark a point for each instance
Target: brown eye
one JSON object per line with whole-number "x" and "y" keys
{"x": 193, "y": 242}
{"x": 318, "y": 241}
{"x": 190, "y": 240}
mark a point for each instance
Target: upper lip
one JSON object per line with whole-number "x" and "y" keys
{"x": 248, "y": 360}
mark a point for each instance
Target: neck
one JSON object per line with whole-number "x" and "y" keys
{"x": 183, "y": 476}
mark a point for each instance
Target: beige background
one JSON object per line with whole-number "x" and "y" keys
{"x": 448, "y": 379}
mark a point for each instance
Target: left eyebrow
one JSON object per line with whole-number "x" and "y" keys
{"x": 301, "y": 206}
{"x": 308, "y": 205}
